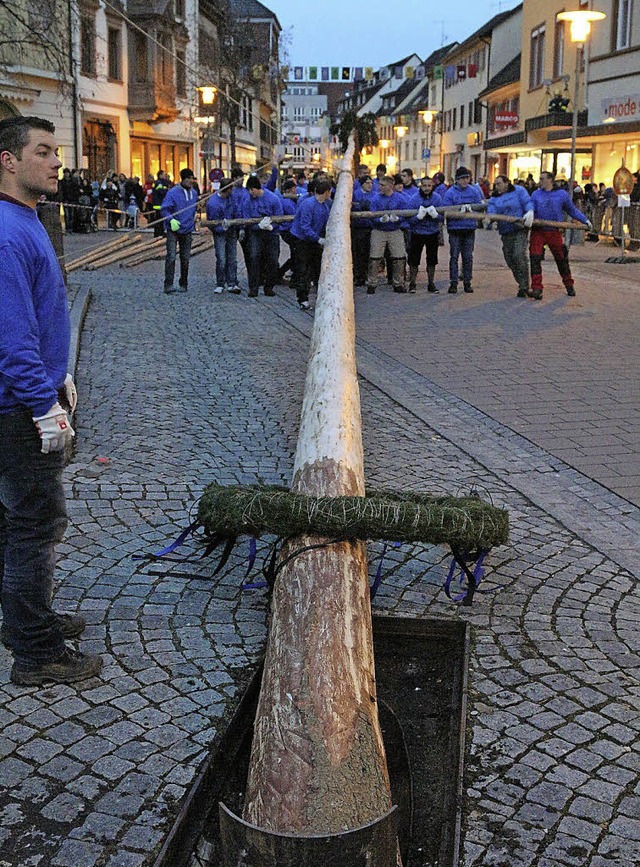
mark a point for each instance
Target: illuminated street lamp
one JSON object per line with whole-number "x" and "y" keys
{"x": 400, "y": 132}
{"x": 208, "y": 94}
{"x": 580, "y": 21}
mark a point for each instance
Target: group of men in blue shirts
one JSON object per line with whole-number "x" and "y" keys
{"x": 383, "y": 239}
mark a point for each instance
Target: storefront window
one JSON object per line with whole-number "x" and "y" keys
{"x": 137, "y": 159}
{"x": 154, "y": 159}
{"x": 609, "y": 157}
{"x": 524, "y": 164}
{"x": 168, "y": 161}
{"x": 183, "y": 158}
{"x": 583, "y": 166}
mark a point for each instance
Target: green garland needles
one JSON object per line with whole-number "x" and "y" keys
{"x": 467, "y": 523}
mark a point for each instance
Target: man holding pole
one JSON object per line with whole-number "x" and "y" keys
{"x": 179, "y": 212}
{"x": 551, "y": 204}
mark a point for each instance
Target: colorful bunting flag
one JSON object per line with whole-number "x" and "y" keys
{"x": 461, "y": 72}
{"x": 298, "y": 73}
{"x": 420, "y": 73}
{"x": 325, "y": 73}
{"x": 438, "y": 72}
{"x": 335, "y": 73}
{"x": 398, "y": 72}
{"x": 472, "y": 71}
{"x": 385, "y": 73}
{"x": 346, "y": 73}
{"x": 357, "y": 73}
{"x": 450, "y": 73}
{"x": 409, "y": 71}
{"x": 368, "y": 73}
{"x": 313, "y": 73}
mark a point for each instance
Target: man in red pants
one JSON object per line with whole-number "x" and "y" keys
{"x": 551, "y": 204}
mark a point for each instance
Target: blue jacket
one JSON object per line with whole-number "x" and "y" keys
{"x": 181, "y": 202}
{"x": 361, "y": 203}
{"x": 266, "y": 205}
{"x": 456, "y": 196}
{"x": 513, "y": 203}
{"x": 311, "y": 219}
{"x": 553, "y": 205}
{"x": 394, "y": 202}
{"x": 428, "y": 226}
{"x": 221, "y": 208}
{"x": 34, "y": 314}
{"x": 441, "y": 189}
{"x": 289, "y": 207}
{"x": 272, "y": 182}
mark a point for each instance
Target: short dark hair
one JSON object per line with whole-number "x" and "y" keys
{"x": 363, "y": 180}
{"x": 289, "y": 184}
{"x": 381, "y": 166}
{"x": 322, "y": 186}
{"x": 407, "y": 172}
{"x": 14, "y": 132}
{"x": 253, "y": 183}
{"x": 236, "y": 173}
{"x": 551, "y": 175}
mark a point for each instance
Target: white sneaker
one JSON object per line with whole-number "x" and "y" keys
{"x": 304, "y": 305}
{"x": 234, "y": 290}
{"x": 219, "y": 290}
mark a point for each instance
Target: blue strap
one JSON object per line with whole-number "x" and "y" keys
{"x": 378, "y": 579}
{"x": 172, "y": 547}
{"x": 478, "y": 574}
{"x": 254, "y": 585}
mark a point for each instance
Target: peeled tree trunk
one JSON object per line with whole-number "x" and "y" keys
{"x": 318, "y": 764}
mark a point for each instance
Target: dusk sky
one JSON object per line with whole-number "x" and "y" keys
{"x": 375, "y": 32}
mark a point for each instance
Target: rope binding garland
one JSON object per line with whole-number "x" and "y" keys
{"x": 468, "y": 525}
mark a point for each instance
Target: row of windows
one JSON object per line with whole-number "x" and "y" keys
{"x": 302, "y": 113}
{"x": 478, "y": 59}
{"x": 621, "y": 39}
{"x": 464, "y": 116}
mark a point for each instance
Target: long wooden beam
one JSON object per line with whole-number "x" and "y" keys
{"x": 318, "y": 763}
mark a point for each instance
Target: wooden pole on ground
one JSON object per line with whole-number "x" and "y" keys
{"x": 102, "y": 250}
{"x": 318, "y": 763}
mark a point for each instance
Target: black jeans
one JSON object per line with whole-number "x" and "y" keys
{"x": 174, "y": 240}
{"x": 360, "y": 245}
{"x": 309, "y": 259}
{"x": 33, "y": 519}
{"x": 262, "y": 252}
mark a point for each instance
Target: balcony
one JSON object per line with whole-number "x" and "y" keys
{"x": 554, "y": 120}
{"x": 152, "y": 102}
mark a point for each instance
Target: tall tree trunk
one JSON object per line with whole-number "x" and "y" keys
{"x": 318, "y": 763}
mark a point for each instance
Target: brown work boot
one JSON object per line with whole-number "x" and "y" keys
{"x": 71, "y": 667}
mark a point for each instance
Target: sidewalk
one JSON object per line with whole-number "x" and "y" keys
{"x": 177, "y": 391}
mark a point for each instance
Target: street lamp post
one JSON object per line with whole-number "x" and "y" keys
{"x": 207, "y": 97}
{"x": 400, "y": 132}
{"x": 580, "y": 21}
{"x": 428, "y": 115}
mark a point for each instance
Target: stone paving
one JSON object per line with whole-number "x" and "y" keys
{"x": 179, "y": 391}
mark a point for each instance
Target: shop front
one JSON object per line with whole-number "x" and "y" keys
{"x": 612, "y": 145}
{"x": 148, "y": 156}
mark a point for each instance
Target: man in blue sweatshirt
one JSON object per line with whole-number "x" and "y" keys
{"x": 262, "y": 239}
{"x": 387, "y": 234}
{"x": 179, "y": 212}
{"x": 551, "y": 204}
{"x": 37, "y": 397}
{"x": 462, "y": 233}
{"x": 308, "y": 227}
{"x": 222, "y": 206}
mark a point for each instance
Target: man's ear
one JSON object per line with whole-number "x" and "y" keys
{"x": 8, "y": 161}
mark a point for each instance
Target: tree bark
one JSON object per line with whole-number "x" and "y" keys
{"x": 318, "y": 763}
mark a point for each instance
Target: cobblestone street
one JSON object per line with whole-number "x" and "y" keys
{"x": 534, "y": 404}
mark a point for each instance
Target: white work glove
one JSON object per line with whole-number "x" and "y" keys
{"x": 225, "y": 225}
{"x": 54, "y": 428}
{"x": 527, "y": 220}
{"x": 265, "y": 224}
{"x": 385, "y": 218}
{"x": 465, "y": 209}
{"x": 590, "y": 226}
{"x": 322, "y": 241}
{"x": 422, "y": 212}
{"x": 393, "y": 218}
{"x": 431, "y": 211}
{"x": 71, "y": 392}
